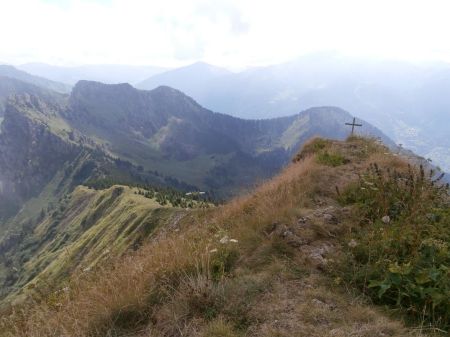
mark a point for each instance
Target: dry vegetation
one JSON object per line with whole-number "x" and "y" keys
{"x": 259, "y": 266}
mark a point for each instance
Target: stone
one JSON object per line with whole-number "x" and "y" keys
{"x": 386, "y": 219}
{"x": 330, "y": 218}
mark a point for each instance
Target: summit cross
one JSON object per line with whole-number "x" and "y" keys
{"x": 353, "y": 124}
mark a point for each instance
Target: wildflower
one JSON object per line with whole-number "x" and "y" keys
{"x": 213, "y": 250}
{"x": 386, "y": 219}
{"x": 352, "y": 243}
{"x": 234, "y": 240}
{"x": 224, "y": 240}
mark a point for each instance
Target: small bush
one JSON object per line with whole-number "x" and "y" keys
{"x": 219, "y": 328}
{"x": 311, "y": 147}
{"x": 331, "y": 159}
{"x": 401, "y": 255}
{"x": 222, "y": 263}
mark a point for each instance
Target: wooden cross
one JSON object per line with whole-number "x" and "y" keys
{"x": 353, "y": 124}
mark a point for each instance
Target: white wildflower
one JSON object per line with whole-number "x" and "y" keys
{"x": 386, "y": 219}
{"x": 224, "y": 240}
{"x": 213, "y": 250}
{"x": 234, "y": 240}
{"x": 352, "y": 243}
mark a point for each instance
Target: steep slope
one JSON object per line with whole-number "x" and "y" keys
{"x": 39, "y": 150}
{"x": 74, "y": 233}
{"x": 11, "y": 86}
{"x": 106, "y": 73}
{"x": 31, "y": 152}
{"x": 280, "y": 261}
{"x": 12, "y": 72}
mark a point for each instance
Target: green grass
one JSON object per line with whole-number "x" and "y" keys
{"x": 330, "y": 159}
{"x": 89, "y": 227}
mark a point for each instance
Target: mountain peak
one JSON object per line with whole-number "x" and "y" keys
{"x": 190, "y": 79}
{"x": 86, "y": 88}
{"x": 94, "y": 84}
{"x": 208, "y": 67}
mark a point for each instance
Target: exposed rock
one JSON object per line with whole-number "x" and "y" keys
{"x": 330, "y": 218}
{"x": 386, "y": 219}
{"x": 315, "y": 254}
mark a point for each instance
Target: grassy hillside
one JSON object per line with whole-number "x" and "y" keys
{"x": 74, "y": 234}
{"x": 288, "y": 259}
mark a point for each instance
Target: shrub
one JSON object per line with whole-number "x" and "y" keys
{"x": 331, "y": 159}
{"x": 401, "y": 255}
{"x": 311, "y": 147}
{"x": 219, "y": 328}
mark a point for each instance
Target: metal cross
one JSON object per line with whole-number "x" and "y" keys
{"x": 353, "y": 124}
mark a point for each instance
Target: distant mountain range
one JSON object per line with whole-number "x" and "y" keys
{"x": 106, "y": 73}
{"x": 409, "y": 103}
{"x": 12, "y": 72}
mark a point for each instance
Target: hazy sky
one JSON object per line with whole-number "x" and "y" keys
{"x": 232, "y": 33}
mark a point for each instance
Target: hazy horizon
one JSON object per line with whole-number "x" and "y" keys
{"x": 329, "y": 55}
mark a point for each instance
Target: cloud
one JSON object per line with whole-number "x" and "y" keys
{"x": 227, "y": 32}
{"x": 215, "y": 10}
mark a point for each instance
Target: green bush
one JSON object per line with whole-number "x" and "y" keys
{"x": 401, "y": 254}
{"x": 330, "y": 159}
{"x": 222, "y": 262}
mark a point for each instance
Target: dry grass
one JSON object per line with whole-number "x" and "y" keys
{"x": 188, "y": 283}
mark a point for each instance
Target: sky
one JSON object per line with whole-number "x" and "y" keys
{"x": 230, "y": 33}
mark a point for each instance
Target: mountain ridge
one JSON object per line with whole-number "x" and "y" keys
{"x": 107, "y": 73}
{"x": 13, "y": 72}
